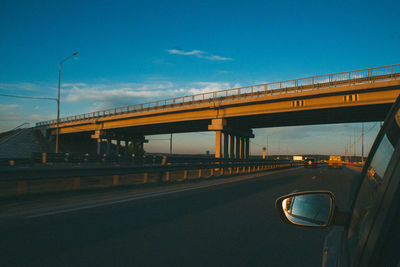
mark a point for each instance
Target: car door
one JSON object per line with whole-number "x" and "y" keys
{"x": 377, "y": 200}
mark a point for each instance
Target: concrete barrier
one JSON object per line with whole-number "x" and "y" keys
{"x": 16, "y": 181}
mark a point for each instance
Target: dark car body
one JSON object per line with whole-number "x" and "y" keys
{"x": 310, "y": 163}
{"x": 370, "y": 231}
{"x": 370, "y": 238}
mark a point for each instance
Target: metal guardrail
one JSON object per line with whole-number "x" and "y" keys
{"x": 276, "y": 88}
{"x": 16, "y": 181}
{"x": 45, "y": 158}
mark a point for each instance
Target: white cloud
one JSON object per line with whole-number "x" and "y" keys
{"x": 207, "y": 87}
{"x": 199, "y": 54}
{"x": 181, "y": 52}
{"x": 101, "y": 96}
{"x": 216, "y": 58}
{"x": 8, "y": 107}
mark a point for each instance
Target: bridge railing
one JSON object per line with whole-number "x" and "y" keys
{"x": 370, "y": 75}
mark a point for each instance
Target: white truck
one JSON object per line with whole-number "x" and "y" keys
{"x": 297, "y": 158}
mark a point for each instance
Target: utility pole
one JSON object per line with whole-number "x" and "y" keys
{"x": 279, "y": 149}
{"x": 349, "y": 150}
{"x": 267, "y": 147}
{"x": 354, "y": 145}
{"x": 58, "y": 99}
{"x": 170, "y": 145}
{"x": 362, "y": 146}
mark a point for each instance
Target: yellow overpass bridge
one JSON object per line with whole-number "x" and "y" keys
{"x": 354, "y": 96}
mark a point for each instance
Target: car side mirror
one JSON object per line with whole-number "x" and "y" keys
{"x": 313, "y": 209}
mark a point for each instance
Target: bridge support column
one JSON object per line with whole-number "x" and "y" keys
{"x": 231, "y": 146}
{"x": 235, "y": 143}
{"x": 226, "y": 145}
{"x": 118, "y": 146}
{"x": 218, "y": 125}
{"x": 218, "y": 144}
{"x": 242, "y": 147}
{"x": 237, "y": 147}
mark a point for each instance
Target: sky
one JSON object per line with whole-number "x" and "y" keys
{"x": 133, "y": 52}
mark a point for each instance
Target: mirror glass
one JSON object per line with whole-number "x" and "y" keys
{"x": 308, "y": 209}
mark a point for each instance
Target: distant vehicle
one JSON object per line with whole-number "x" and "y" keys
{"x": 335, "y": 162}
{"x": 310, "y": 163}
{"x": 369, "y": 231}
{"x": 297, "y": 158}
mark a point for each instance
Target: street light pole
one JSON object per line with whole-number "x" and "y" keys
{"x": 58, "y": 98}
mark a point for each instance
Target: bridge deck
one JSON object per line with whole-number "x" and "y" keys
{"x": 372, "y": 75}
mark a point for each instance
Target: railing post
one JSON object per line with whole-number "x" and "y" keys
{"x": 44, "y": 157}
{"x": 391, "y": 72}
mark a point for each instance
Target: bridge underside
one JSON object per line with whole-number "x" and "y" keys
{"x": 232, "y": 140}
{"x": 368, "y": 113}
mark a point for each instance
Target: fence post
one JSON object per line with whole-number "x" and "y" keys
{"x": 22, "y": 187}
{"x": 115, "y": 179}
{"x": 167, "y": 175}
{"x": 76, "y": 183}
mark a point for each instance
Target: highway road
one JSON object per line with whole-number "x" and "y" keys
{"x": 228, "y": 224}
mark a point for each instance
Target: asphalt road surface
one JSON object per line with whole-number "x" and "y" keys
{"x": 230, "y": 224}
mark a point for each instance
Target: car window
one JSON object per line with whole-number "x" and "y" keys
{"x": 383, "y": 154}
{"x": 368, "y": 196}
{"x": 371, "y": 191}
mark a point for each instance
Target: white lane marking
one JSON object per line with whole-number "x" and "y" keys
{"x": 145, "y": 195}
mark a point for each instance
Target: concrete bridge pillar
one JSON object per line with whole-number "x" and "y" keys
{"x": 235, "y": 141}
{"x": 218, "y": 144}
{"x": 247, "y": 147}
{"x": 226, "y": 145}
{"x": 231, "y": 146}
{"x": 237, "y": 147}
{"x": 242, "y": 147}
{"x": 218, "y": 125}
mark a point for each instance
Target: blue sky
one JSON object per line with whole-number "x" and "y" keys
{"x": 138, "y": 51}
